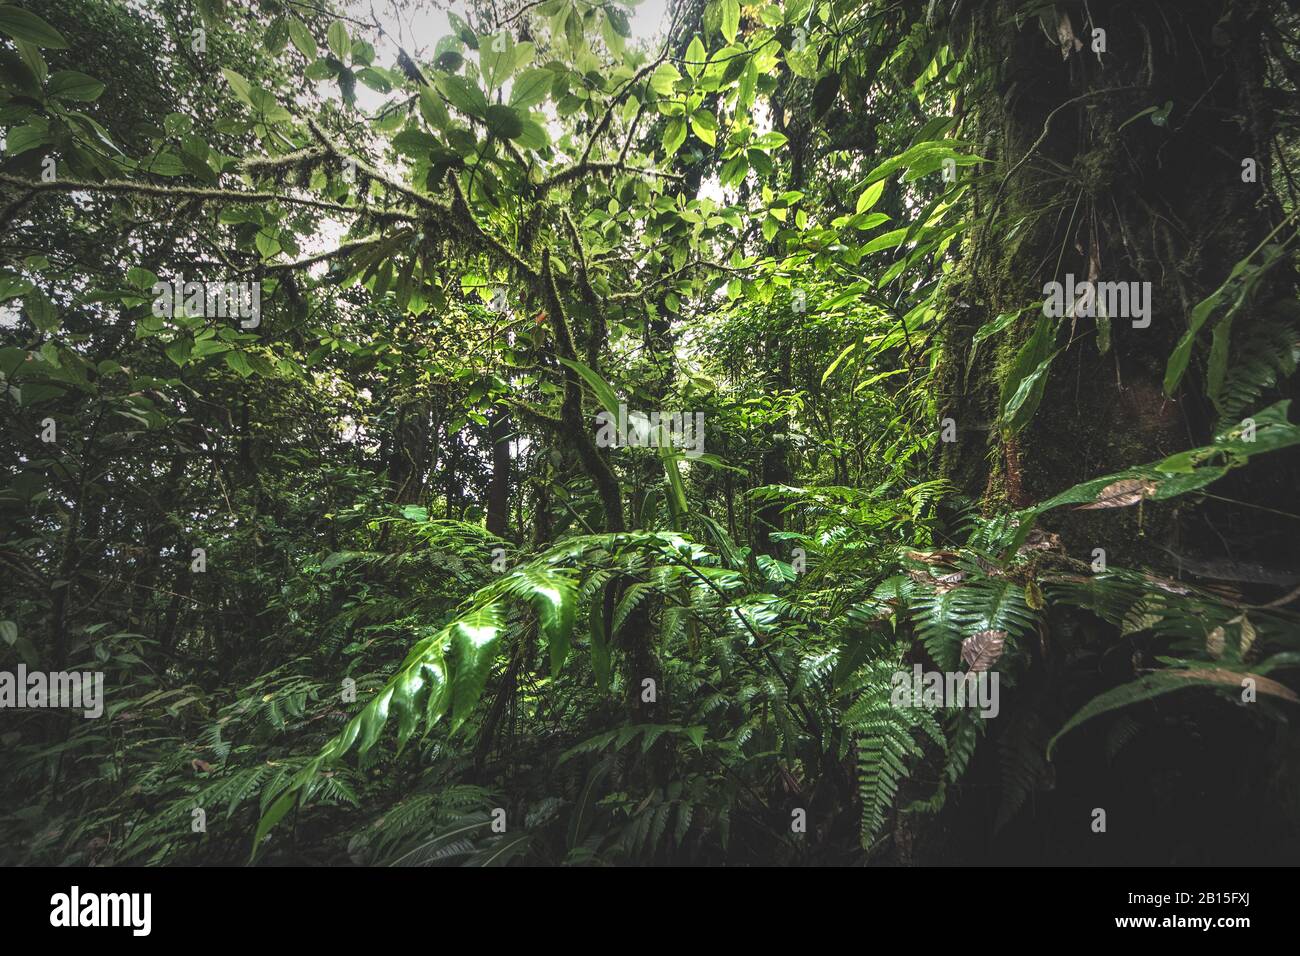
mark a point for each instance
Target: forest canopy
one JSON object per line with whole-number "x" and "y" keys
{"x": 578, "y": 432}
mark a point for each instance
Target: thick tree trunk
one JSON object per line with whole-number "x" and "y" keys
{"x": 408, "y": 462}
{"x": 775, "y": 464}
{"x": 1084, "y": 183}
{"x": 498, "y": 511}
{"x": 1078, "y": 192}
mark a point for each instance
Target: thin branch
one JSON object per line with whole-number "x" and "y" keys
{"x": 570, "y": 173}
{"x": 464, "y": 217}
{"x": 420, "y": 199}
{"x": 122, "y": 187}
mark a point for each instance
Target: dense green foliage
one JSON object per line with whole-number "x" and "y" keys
{"x": 366, "y": 585}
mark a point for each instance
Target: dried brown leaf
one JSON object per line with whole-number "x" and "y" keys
{"x": 1164, "y": 584}
{"x": 1247, "y": 636}
{"x": 982, "y": 649}
{"x": 1065, "y": 35}
{"x": 1119, "y": 494}
{"x": 932, "y": 557}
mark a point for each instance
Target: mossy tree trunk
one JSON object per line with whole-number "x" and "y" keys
{"x": 1085, "y": 178}
{"x": 1085, "y": 184}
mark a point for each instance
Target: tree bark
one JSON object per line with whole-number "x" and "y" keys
{"x": 498, "y": 511}
{"x": 1087, "y": 185}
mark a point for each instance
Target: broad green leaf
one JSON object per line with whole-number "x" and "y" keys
{"x": 870, "y": 196}
{"x": 676, "y": 487}
{"x": 1217, "y": 368}
{"x": 71, "y": 85}
{"x": 375, "y": 80}
{"x": 730, "y": 19}
{"x": 705, "y": 125}
{"x": 276, "y": 36}
{"x": 12, "y": 286}
{"x": 871, "y": 220}
{"x": 803, "y": 62}
{"x": 240, "y": 85}
{"x": 770, "y": 141}
{"x": 496, "y": 58}
{"x": 664, "y": 79}
{"x": 674, "y": 135}
{"x": 31, "y": 135}
{"x": 530, "y": 88}
{"x": 748, "y": 86}
{"x": 239, "y": 364}
{"x": 339, "y": 43}
{"x": 472, "y": 643}
{"x": 463, "y": 94}
{"x": 504, "y": 121}
{"x": 695, "y": 57}
{"x": 1022, "y": 388}
{"x": 42, "y": 312}
{"x": 31, "y": 55}
{"x": 302, "y": 39}
{"x": 282, "y": 805}
{"x": 24, "y": 25}
{"x": 1201, "y": 312}
{"x": 618, "y": 19}
{"x": 931, "y": 150}
{"x": 165, "y": 163}
{"x": 179, "y": 352}
{"x": 604, "y": 393}
{"x": 433, "y": 110}
{"x": 534, "y": 135}
{"x": 886, "y": 241}
{"x": 554, "y": 598}
{"x": 415, "y": 143}
{"x": 844, "y": 353}
{"x": 1024, "y": 401}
